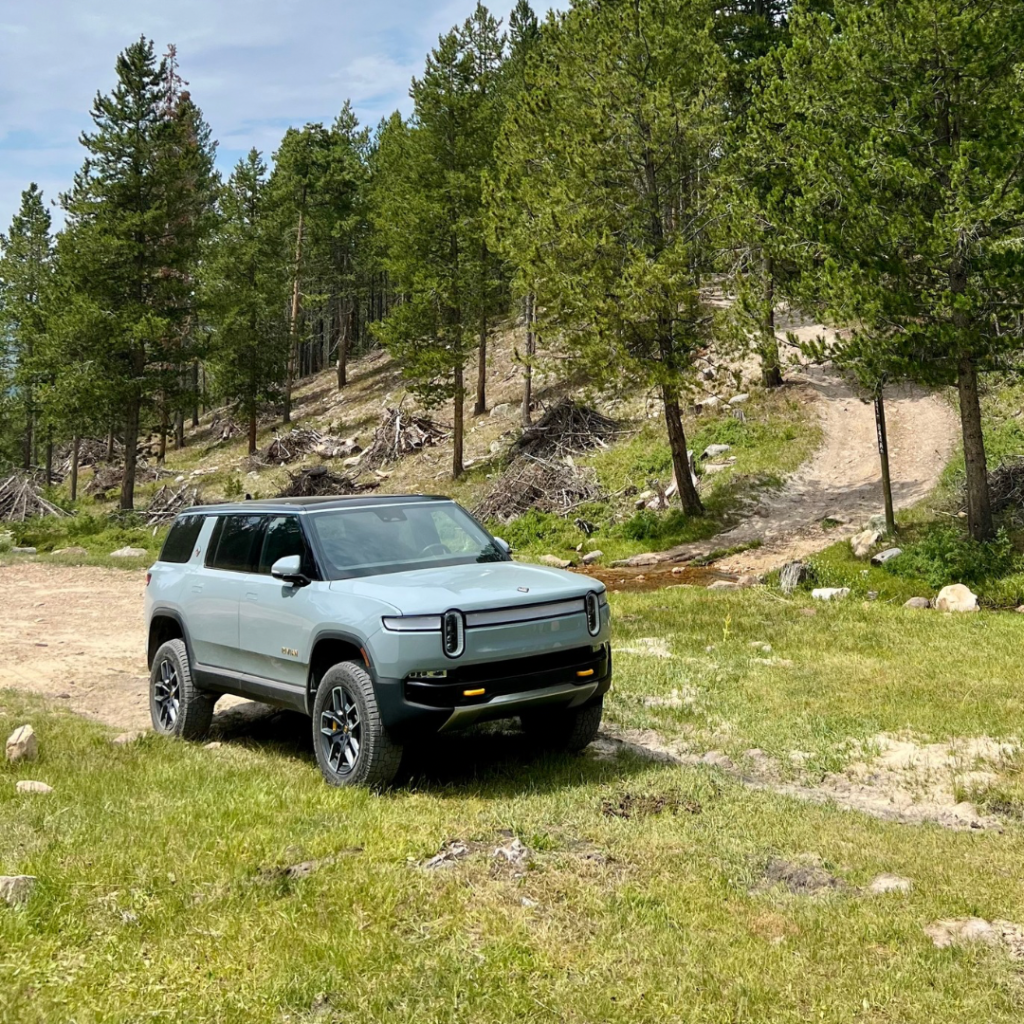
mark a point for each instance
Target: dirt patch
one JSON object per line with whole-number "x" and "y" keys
{"x": 803, "y": 876}
{"x": 509, "y": 857}
{"x": 966, "y": 931}
{"x": 630, "y": 806}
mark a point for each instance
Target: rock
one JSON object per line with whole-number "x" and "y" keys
{"x": 749, "y": 581}
{"x": 918, "y": 603}
{"x": 30, "y": 786}
{"x": 645, "y": 497}
{"x": 592, "y": 556}
{"x": 725, "y": 585}
{"x": 1020, "y": 610}
{"x": 129, "y": 552}
{"x": 501, "y": 410}
{"x": 22, "y": 744}
{"x": 711, "y": 402}
{"x": 714, "y": 450}
{"x": 180, "y": 479}
{"x": 555, "y": 561}
{"x": 124, "y": 738}
{"x": 213, "y": 745}
{"x": 711, "y": 468}
{"x": 889, "y": 883}
{"x": 647, "y": 558}
{"x": 968, "y": 930}
{"x": 23, "y": 551}
{"x": 886, "y": 556}
{"x": 792, "y": 575}
{"x": 863, "y": 542}
{"x": 15, "y": 889}
{"x": 957, "y": 598}
{"x": 71, "y": 551}
{"x": 739, "y": 399}
{"x": 830, "y": 593}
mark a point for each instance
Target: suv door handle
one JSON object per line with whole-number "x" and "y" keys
{"x": 252, "y": 597}
{"x": 197, "y": 588}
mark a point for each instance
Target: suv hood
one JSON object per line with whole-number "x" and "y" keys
{"x": 468, "y": 587}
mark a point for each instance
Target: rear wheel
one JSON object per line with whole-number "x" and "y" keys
{"x": 570, "y": 730}
{"x": 176, "y": 706}
{"x": 352, "y": 746}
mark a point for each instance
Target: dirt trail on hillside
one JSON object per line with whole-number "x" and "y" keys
{"x": 842, "y": 479}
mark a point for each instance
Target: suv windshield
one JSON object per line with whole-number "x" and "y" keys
{"x": 396, "y": 538}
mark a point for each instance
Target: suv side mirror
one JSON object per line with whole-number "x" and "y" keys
{"x": 289, "y": 570}
{"x": 504, "y": 545}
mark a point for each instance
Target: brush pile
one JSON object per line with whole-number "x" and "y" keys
{"x": 401, "y": 433}
{"x": 1006, "y": 489}
{"x": 567, "y": 428}
{"x": 168, "y": 502}
{"x": 320, "y": 482}
{"x": 105, "y": 477}
{"x": 20, "y": 499}
{"x": 91, "y": 450}
{"x": 301, "y": 443}
{"x": 558, "y": 487}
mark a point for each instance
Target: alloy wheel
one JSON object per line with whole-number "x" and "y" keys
{"x": 341, "y": 731}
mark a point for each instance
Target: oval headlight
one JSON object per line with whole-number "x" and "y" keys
{"x": 453, "y": 633}
{"x": 593, "y": 613}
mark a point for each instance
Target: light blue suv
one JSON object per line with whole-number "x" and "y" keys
{"x": 384, "y": 619}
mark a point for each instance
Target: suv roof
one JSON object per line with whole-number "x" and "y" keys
{"x": 305, "y": 504}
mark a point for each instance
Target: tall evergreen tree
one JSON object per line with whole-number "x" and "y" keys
{"x": 246, "y": 295}
{"x": 26, "y": 268}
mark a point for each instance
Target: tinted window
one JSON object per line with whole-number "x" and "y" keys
{"x": 181, "y": 541}
{"x": 237, "y": 547}
{"x": 283, "y": 538}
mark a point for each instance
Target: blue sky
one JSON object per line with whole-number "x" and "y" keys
{"x": 253, "y": 66}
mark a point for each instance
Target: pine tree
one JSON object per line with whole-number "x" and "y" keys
{"x": 26, "y": 269}
{"x": 617, "y": 149}
{"x": 905, "y": 124}
{"x": 246, "y": 295}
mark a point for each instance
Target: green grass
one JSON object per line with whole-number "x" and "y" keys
{"x": 161, "y": 893}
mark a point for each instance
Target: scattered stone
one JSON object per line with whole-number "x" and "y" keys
{"x": 886, "y": 556}
{"x": 76, "y": 550}
{"x": 648, "y": 558}
{"x": 22, "y": 744}
{"x": 555, "y": 561}
{"x": 830, "y": 593}
{"x": 725, "y": 585}
{"x": 30, "y": 786}
{"x": 15, "y": 889}
{"x": 862, "y": 543}
{"x": 957, "y": 598}
{"x": 889, "y": 883}
{"x": 964, "y": 931}
{"x": 128, "y": 737}
{"x": 792, "y": 575}
{"x": 129, "y": 552}
{"x": 918, "y": 603}
{"x": 592, "y": 556}
{"x": 714, "y": 450}
{"x": 712, "y": 402}
{"x": 749, "y": 581}
{"x": 738, "y": 399}
{"x": 644, "y": 498}
{"x": 23, "y": 551}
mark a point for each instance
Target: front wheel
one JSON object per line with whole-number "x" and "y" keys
{"x": 352, "y": 746}
{"x": 176, "y": 705}
{"x": 570, "y": 730}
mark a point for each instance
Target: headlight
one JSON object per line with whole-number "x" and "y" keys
{"x": 453, "y": 634}
{"x": 412, "y": 623}
{"x": 593, "y": 609}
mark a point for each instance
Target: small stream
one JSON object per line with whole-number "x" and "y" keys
{"x": 640, "y": 579}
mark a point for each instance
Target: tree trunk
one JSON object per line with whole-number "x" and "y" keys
{"x": 481, "y": 369}
{"x": 979, "y": 506}
{"x": 29, "y": 437}
{"x": 179, "y": 430}
{"x": 131, "y": 444}
{"x": 680, "y": 456}
{"x": 345, "y": 325}
{"x": 49, "y": 457}
{"x": 771, "y": 364}
{"x": 883, "y": 456}
{"x": 195, "y": 394}
{"x": 76, "y": 444}
{"x": 162, "y": 450}
{"x": 110, "y": 445}
{"x": 293, "y": 329}
{"x": 531, "y": 348}
{"x": 252, "y": 432}
{"x": 458, "y": 424}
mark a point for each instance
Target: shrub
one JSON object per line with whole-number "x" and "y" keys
{"x": 946, "y": 555}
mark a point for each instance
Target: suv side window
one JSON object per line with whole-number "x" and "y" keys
{"x": 181, "y": 540}
{"x": 283, "y": 537}
{"x": 235, "y": 543}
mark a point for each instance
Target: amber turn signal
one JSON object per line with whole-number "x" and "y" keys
{"x": 473, "y": 693}
{"x": 585, "y": 674}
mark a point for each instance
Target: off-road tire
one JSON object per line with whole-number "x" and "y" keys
{"x": 569, "y": 731}
{"x": 378, "y": 758}
{"x": 169, "y": 680}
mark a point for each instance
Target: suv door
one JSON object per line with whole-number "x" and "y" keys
{"x": 217, "y": 589}
{"x": 277, "y": 619}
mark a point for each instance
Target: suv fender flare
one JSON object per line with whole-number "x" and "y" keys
{"x": 331, "y": 633}
{"x": 166, "y": 612}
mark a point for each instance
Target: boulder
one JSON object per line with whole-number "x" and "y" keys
{"x": 31, "y": 786}
{"x": 501, "y": 410}
{"x": 714, "y": 450}
{"x": 739, "y": 399}
{"x": 645, "y": 497}
{"x": 592, "y": 556}
{"x": 862, "y": 543}
{"x": 555, "y": 561}
{"x": 830, "y": 593}
{"x": 957, "y": 598}
{"x": 886, "y": 556}
{"x": 792, "y": 575}
{"x": 129, "y": 552}
{"x": 711, "y": 402}
{"x": 15, "y": 889}
{"x": 23, "y": 551}
{"x": 725, "y": 585}
{"x": 22, "y": 744}
{"x": 75, "y": 550}
{"x": 918, "y": 603}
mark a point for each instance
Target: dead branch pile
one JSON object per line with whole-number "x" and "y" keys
{"x": 20, "y": 499}
{"x": 548, "y": 486}
{"x": 107, "y": 476}
{"x": 91, "y": 450}
{"x": 168, "y": 502}
{"x": 223, "y": 427}
{"x": 320, "y": 482}
{"x": 567, "y": 428}
{"x": 302, "y": 442}
{"x": 1006, "y": 489}
{"x": 401, "y": 433}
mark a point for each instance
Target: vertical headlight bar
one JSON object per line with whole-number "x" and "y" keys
{"x": 593, "y": 613}
{"x": 453, "y": 633}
